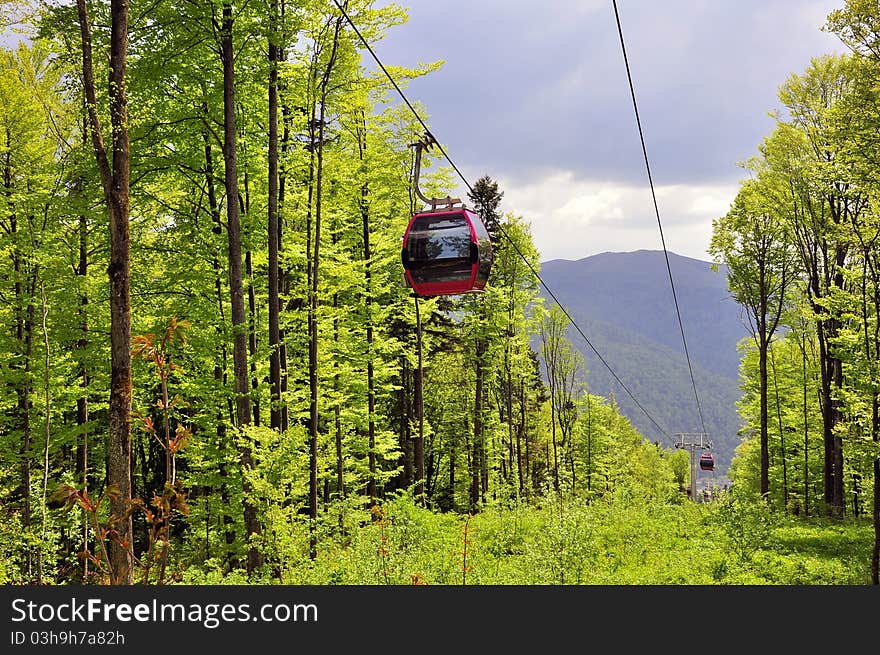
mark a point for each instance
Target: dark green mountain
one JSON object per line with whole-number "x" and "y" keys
{"x": 623, "y": 303}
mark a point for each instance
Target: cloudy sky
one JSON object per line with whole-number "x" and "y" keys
{"x": 535, "y": 95}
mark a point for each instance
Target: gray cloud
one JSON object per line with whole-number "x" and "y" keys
{"x": 532, "y": 87}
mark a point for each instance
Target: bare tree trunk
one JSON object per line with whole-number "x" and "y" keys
{"x": 337, "y": 406}
{"x": 781, "y": 435}
{"x": 46, "y": 425}
{"x": 820, "y": 266}
{"x": 252, "y": 336}
{"x": 24, "y": 332}
{"x": 220, "y": 368}
{"x": 508, "y": 386}
{"x": 406, "y": 413}
{"x": 479, "y": 474}
{"x": 875, "y": 436}
{"x": 765, "y": 447}
{"x": 368, "y": 303}
{"x": 82, "y": 403}
{"x": 453, "y": 454}
{"x": 837, "y": 497}
{"x": 872, "y": 346}
{"x": 589, "y": 443}
{"x": 236, "y": 285}
{"x": 528, "y": 473}
{"x": 313, "y": 302}
{"x": 337, "y": 415}
{"x": 551, "y": 349}
{"x": 875, "y": 552}
{"x": 419, "y": 445}
{"x": 24, "y": 321}
{"x": 803, "y": 345}
{"x": 520, "y": 436}
{"x": 474, "y": 465}
{"x": 115, "y": 181}
{"x": 283, "y": 274}
{"x": 245, "y": 209}
{"x": 274, "y": 231}
{"x": 838, "y": 501}
{"x": 827, "y": 426}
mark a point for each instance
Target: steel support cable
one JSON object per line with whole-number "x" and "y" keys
{"x": 657, "y": 213}
{"x": 510, "y": 241}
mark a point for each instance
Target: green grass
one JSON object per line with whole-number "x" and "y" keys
{"x": 618, "y": 541}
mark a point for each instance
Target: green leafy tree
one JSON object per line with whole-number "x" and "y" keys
{"x": 486, "y": 196}
{"x": 753, "y": 241}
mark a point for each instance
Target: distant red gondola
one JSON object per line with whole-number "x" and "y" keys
{"x": 707, "y": 462}
{"x": 446, "y": 252}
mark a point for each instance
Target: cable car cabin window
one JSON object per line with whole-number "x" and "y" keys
{"x": 439, "y": 249}
{"x": 485, "y": 243}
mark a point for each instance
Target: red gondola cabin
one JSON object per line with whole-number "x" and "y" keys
{"x": 446, "y": 252}
{"x": 707, "y": 462}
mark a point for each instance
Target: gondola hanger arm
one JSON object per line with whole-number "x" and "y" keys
{"x": 435, "y": 203}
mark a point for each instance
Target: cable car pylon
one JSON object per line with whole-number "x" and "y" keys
{"x": 694, "y": 441}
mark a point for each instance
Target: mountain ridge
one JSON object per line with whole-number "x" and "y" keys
{"x": 624, "y": 304}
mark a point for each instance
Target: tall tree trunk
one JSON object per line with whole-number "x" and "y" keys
{"x": 474, "y": 465}
{"x": 283, "y": 274}
{"x": 81, "y": 466}
{"x": 313, "y": 300}
{"x": 479, "y": 439}
{"x": 589, "y": 443}
{"x": 875, "y": 434}
{"x": 337, "y": 405}
{"x": 44, "y": 311}
{"x": 274, "y": 230}
{"x": 827, "y": 424}
{"x": 781, "y": 434}
{"x": 806, "y": 427}
{"x": 236, "y": 284}
{"x": 368, "y": 305}
{"x": 528, "y": 470}
{"x": 337, "y": 418}
{"x": 227, "y": 521}
{"x": 765, "y": 444}
{"x": 24, "y": 332}
{"x": 508, "y": 386}
{"x": 245, "y": 209}
{"x": 520, "y": 436}
{"x": 763, "y": 338}
{"x": 832, "y": 380}
{"x": 82, "y": 403}
{"x": 115, "y": 182}
{"x": 453, "y": 454}
{"x": 252, "y": 337}
{"x": 837, "y": 497}
{"x": 406, "y": 414}
{"x": 24, "y": 339}
{"x": 819, "y": 266}
{"x": 419, "y": 441}
{"x": 872, "y": 347}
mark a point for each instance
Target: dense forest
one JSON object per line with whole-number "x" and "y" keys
{"x": 214, "y": 370}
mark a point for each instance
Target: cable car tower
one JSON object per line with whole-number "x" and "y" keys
{"x": 694, "y": 441}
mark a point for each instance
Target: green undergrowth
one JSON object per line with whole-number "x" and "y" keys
{"x": 621, "y": 540}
